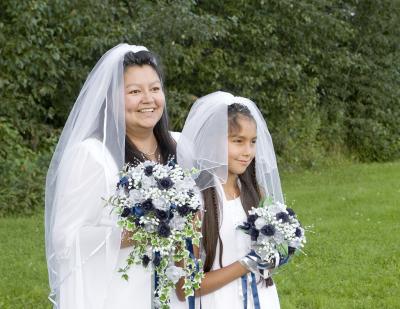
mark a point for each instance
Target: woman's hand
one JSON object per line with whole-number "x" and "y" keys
{"x": 126, "y": 239}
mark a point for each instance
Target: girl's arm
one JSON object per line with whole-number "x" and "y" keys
{"x": 214, "y": 279}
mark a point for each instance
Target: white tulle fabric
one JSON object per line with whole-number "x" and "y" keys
{"x": 203, "y": 144}
{"x": 82, "y": 238}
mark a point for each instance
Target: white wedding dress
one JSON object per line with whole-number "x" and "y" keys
{"x": 87, "y": 239}
{"x": 236, "y": 244}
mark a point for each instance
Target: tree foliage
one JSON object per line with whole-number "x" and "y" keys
{"x": 324, "y": 73}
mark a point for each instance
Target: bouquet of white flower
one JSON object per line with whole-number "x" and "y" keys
{"x": 158, "y": 205}
{"x": 276, "y": 234}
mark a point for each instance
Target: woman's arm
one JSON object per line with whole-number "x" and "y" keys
{"x": 126, "y": 239}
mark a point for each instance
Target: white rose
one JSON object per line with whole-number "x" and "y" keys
{"x": 173, "y": 273}
{"x": 148, "y": 182}
{"x": 259, "y": 223}
{"x": 279, "y": 237}
{"x": 177, "y": 222}
{"x": 160, "y": 204}
{"x": 135, "y": 196}
{"x": 149, "y": 227}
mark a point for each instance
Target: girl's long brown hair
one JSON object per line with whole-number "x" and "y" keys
{"x": 249, "y": 195}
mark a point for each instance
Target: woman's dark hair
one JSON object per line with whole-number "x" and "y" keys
{"x": 249, "y": 195}
{"x": 141, "y": 58}
{"x": 166, "y": 144}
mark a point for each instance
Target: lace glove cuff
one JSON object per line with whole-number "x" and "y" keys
{"x": 253, "y": 263}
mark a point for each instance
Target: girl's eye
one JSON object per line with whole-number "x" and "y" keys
{"x": 254, "y": 141}
{"x": 135, "y": 91}
{"x": 237, "y": 140}
{"x": 155, "y": 89}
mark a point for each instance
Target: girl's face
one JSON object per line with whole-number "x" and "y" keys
{"x": 144, "y": 97}
{"x": 242, "y": 145}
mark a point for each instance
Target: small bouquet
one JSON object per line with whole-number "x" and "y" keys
{"x": 158, "y": 205}
{"x": 276, "y": 233}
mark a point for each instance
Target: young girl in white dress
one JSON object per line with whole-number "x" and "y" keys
{"x": 227, "y": 140}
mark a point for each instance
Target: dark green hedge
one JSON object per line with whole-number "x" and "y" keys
{"x": 326, "y": 74}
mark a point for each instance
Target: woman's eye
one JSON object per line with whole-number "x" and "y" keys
{"x": 155, "y": 89}
{"x": 135, "y": 91}
{"x": 254, "y": 141}
{"x": 237, "y": 140}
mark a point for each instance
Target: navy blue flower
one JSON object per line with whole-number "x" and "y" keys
{"x": 268, "y": 230}
{"x": 137, "y": 222}
{"x": 137, "y": 210}
{"x": 123, "y": 182}
{"x": 165, "y": 183}
{"x": 290, "y": 212}
{"x": 163, "y": 229}
{"x": 161, "y": 214}
{"x": 291, "y": 250}
{"x": 298, "y": 232}
{"x": 254, "y": 234}
{"x": 148, "y": 170}
{"x": 172, "y": 206}
{"x": 172, "y": 163}
{"x": 245, "y": 226}
{"x": 126, "y": 212}
{"x": 252, "y": 218}
{"x": 183, "y": 210}
{"x": 156, "y": 259}
{"x": 145, "y": 260}
{"x": 147, "y": 205}
{"x": 283, "y": 259}
{"x": 282, "y": 216}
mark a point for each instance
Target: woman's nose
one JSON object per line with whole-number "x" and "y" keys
{"x": 147, "y": 97}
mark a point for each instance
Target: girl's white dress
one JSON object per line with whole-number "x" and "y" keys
{"x": 236, "y": 244}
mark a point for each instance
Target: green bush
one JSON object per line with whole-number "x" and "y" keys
{"x": 324, "y": 73}
{"x": 22, "y": 173}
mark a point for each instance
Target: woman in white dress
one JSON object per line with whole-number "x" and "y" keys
{"x": 227, "y": 140}
{"x": 119, "y": 116}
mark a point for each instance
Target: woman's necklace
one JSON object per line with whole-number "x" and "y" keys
{"x": 150, "y": 153}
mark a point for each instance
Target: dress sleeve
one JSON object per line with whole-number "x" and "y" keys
{"x": 86, "y": 238}
{"x": 175, "y": 135}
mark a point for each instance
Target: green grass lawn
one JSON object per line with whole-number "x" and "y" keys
{"x": 352, "y": 251}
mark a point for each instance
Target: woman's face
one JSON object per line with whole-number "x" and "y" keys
{"x": 242, "y": 145}
{"x": 144, "y": 98}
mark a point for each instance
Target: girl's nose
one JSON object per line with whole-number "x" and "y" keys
{"x": 248, "y": 149}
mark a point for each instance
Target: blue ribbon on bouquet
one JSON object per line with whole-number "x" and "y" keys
{"x": 254, "y": 291}
{"x": 261, "y": 265}
{"x": 156, "y": 279}
{"x": 189, "y": 247}
{"x": 191, "y": 299}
